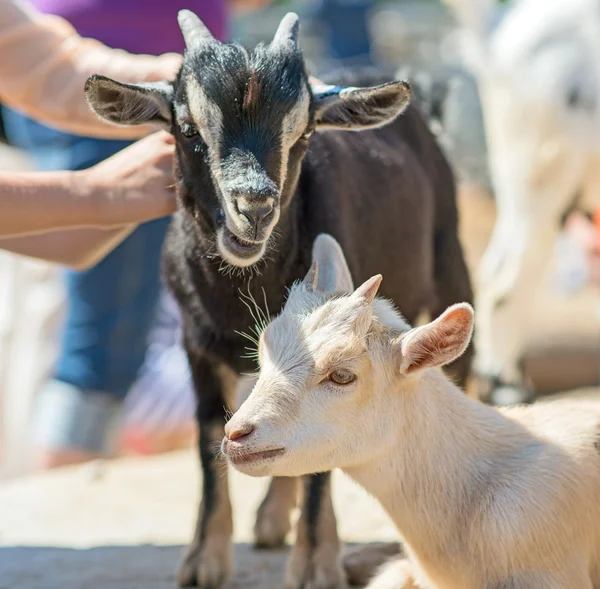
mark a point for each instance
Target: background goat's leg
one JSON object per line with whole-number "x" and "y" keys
{"x": 273, "y": 517}
{"x": 536, "y": 173}
{"x": 315, "y": 560}
{"x": 504, "y": 304}
{"x": 208, "y": 560}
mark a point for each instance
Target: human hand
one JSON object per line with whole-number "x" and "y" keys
{"x": 166, "y": 67}
{"x": 134, "y": 185}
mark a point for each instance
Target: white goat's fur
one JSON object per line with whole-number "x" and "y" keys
{"x": 538, "y": 72}
{"x": 483, "y": 498}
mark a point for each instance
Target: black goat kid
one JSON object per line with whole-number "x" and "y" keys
{"x": 256, "y": 187}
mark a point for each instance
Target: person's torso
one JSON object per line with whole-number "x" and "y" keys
{"x": 138, "y": 26}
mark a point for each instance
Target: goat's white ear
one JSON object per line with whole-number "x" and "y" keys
{"x": 439, "y": 342}
{"x": 368, "y": 290}
{"x": 333, "y": 274}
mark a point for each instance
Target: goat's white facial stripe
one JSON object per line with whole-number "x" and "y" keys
{"x": 209, "y": 120}
{"x": 294, "y": 124}
{"x": 296, "y": 120}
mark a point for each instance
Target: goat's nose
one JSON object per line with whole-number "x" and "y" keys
{"x": 238, "y": 432}
{"x": 255, "y": 213}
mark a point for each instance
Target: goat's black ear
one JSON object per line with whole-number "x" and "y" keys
{"x": 359, "y": 108}
{"x": 130, "y": 104}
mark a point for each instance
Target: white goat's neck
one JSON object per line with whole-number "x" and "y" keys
{"x": 435, "y": 471}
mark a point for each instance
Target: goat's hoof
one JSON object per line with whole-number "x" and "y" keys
{"x": 207, "y": 566}
{"x": 319, "y": 569}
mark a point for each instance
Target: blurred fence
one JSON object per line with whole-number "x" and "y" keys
{"x": 31, "y": 304}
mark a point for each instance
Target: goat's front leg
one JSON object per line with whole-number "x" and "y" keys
{"x": 315, "y": 561}
{"x": 208, "y": 560}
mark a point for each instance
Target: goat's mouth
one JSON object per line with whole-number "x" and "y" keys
{"x": 244, "y": 457}
{"x": 241, "y": 244}
{"x": 239, "y": 251}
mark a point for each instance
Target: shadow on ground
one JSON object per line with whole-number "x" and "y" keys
{"x": 143, "y": 567}
{"x": 125, "y": 567}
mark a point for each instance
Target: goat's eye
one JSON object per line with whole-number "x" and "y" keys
{"x": 189, "y": 130}
{"x": 342, "y": 377}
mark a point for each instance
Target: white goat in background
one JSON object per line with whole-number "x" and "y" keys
{"x": 484, "y": 498}
{"x": 538, "y": 72}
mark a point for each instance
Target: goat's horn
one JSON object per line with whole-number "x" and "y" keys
{"x": 287, "y": 31}
{"x": 195, "y": 32}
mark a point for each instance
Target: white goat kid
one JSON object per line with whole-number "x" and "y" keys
{"x": 538, "y": 73}
{"x": 483, "y": 498}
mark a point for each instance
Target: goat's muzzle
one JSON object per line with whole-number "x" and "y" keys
{"x": 256, "y": 214}
{"x": 240, "y": 447}
{"x": 250, "y": 218}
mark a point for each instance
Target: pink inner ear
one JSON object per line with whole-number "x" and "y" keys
{"x": 439, "y": 342}
{"x": 460, "y": 317}
{"x": 452, "y": 330}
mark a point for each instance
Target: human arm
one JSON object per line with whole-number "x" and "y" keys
{"x": 133, "y": 186}
{"x": 44, "y": 65}
{"x": 78, "y": 248}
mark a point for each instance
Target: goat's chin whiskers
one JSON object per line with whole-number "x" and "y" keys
{"x": 260, "y": 317}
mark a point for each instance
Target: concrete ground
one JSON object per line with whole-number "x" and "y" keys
{"x": 122, "y": 525}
